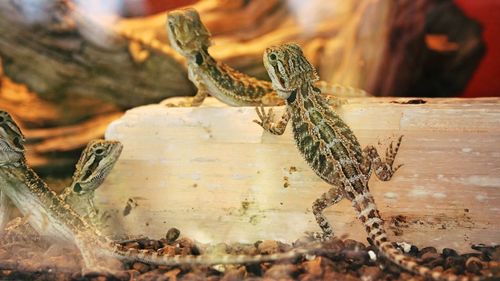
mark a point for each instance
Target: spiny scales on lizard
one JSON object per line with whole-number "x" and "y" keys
{"x": 332, "y": 151}
{"x": 95, "y": 164}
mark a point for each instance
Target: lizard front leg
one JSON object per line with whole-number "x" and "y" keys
{"x": 202, "y": 92}
{"x": 384, "y": 170}
{"x": 267, "y": 121}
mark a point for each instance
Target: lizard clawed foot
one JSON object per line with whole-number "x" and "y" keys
{"x": 391, "y": 152}
{"x": 266, "y": 119}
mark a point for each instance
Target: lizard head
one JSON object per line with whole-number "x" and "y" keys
{"x": 186, "y": 32}
{"x": 95, "y": 163}
{"x": 288, "y": 68}
{"x": 11, "y": 140}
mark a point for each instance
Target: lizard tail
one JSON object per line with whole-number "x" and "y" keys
{"x": 153, "y": 257}
{"x": 364, "y": 204}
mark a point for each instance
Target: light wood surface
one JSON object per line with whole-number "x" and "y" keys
{"x": 215, "y": 175}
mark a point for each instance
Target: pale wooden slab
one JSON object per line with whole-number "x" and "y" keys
{"x": 216, "y": 176}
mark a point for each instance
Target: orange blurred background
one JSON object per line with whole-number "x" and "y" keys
{"x": 484, "y": 83}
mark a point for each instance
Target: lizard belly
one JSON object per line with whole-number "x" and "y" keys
{"x": 29, "y": 205}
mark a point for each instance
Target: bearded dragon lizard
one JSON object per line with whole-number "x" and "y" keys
{"x": 189, "y": 37}
{"x": 48, "y": 210}
{"x": 95, "y": 163}
{"x": 332, "y": 151}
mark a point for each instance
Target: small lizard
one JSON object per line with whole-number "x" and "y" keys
{"x": 95, "y": 163}
{"x": 46, "y": 210}
{"x": 8, "y": 155}
{"x": 189, "y": 37}
{"x": 332, "y": 151}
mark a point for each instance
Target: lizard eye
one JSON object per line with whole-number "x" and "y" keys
{"x": 77, "y": 188}
{"x": 272, "y": 57}
{"x": 2, "y": 119}
{"x": 99, "y": 151}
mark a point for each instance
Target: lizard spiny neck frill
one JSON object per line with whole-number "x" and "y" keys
{"x": 331, "y": 149}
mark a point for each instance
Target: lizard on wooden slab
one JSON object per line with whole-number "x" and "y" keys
{"x": 189, "y": 37}
{"x": 46, "y": 210}
{"x": 95, "y": 164}
{"x": 333, "y": 152}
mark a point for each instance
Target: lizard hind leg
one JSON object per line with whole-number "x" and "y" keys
{"x": 327, "y": 199}
{"x": 384, "y": 170}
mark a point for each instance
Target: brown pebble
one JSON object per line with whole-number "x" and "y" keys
{"x": 447, "y": 252}
{"x": 427, "y": 250}
{"x": 192, "y": 277}
{"x": 172, "y": 235}
{"x": 473, "y": 265}
{"x": 141, "y": 267}
{"x": 167, "y": 251}
{"x": 268, "y": 247}
{"x": 151, "y": 244}
{"x": 428, "y": 256}
{"x": 333, "y": 275}
{"x": 235, "y": 274}
{"x": 334, "y": 245}
{"x": 313, "y": 267}
{"x": 281, "y": 271}
{"x": 456, "y": 263}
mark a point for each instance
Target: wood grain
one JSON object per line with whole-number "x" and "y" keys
{"x": 216, "y": 176}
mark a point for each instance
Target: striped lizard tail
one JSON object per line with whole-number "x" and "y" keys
{"x": 152, "y": 257}
{"x": 364, "y": 204}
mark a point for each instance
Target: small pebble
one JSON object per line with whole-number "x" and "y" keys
{"x": 141, "y": 267}
{"x": 406, "y": 247}
{"x": 281, "y": 271}
{"x": 447, "y": 252}
{"x": 473, "y": 265}
{"x": 313, "y": 267}
{"x": 268, "y": 247}
{"x": 372, "y": 255}
{"x": 172, "y": 235}
{"x": 370, "y": 273}
{"x": 235, "y": 274}
{"x": 427, "y": 250}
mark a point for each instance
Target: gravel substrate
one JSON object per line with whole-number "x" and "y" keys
{"x": 24, "y": 256}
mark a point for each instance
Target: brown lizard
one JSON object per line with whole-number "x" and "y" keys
{"x": 46, "y": 209}
{"x": 332, "y": 151}
{"x": 8, "y": 155}
{"x": 94, "y": 165}
{"x": 189, "y": 37}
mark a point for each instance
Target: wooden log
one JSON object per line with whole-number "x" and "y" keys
{"x": 62, "y": 53}
{"x": 216, "y": 176}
